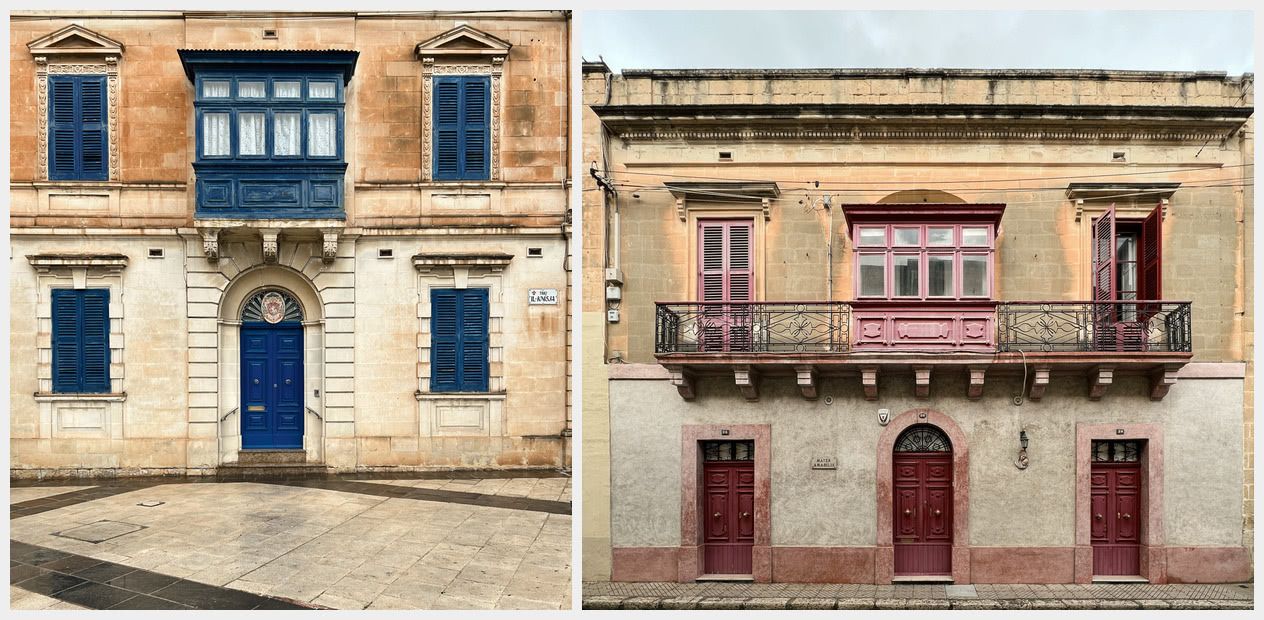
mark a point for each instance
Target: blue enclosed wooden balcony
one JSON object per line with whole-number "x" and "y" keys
{"x": 811, "y": 339}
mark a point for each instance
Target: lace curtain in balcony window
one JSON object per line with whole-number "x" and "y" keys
{"x": 250, "y": 133}
{"x": 287, "y": 133}
{"x": 215, "y": 141}
{"x": 321, "y": 135}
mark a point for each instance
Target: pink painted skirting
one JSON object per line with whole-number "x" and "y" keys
{"x": 1022, "y": 564}
{"x": 987, "y": 564}
{"x": 643, "y": 563}
{"x": 1208, "y": 564}
{"x": 822, "y": 564}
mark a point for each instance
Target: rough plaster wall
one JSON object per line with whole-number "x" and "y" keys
{"x": 1008, "y": 507}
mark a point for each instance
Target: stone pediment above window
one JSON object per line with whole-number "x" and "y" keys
{"x": 725, "y": 193}
{"x": 485, "y": 261}
{"x": 45, "y": 263}
{"x": 1130, "y": 199}
{"x": 463, "y": 42}
{"x": 75, "y": 42}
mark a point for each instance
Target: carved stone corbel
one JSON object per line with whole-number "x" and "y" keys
{"x": 271, "y": 245}
{"x": 1161, "y": 381}
{"x": 805, "y": 377}
{"x": 1039, "y": 382}
{"x": 869, "y": 382}
{"x": 683, "y": 379}
{"x": 921, "y": 382}
{"x": 747, "y": 380}
{"x": 767, "y": 206}
{"x": 210, "y": 243}
{"x": 1099, "y": 378}
{"x": 680, "y": 209}
{"x": 329, "y": 250}
{"x": 974, "y": 389}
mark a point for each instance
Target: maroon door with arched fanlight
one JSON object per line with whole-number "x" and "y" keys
{"x": 922, "y": 494}
{"x": 1115, "y": 483}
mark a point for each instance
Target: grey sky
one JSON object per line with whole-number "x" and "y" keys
{"x": 1144, "y": 40}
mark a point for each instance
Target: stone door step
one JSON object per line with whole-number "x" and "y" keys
{"x": 1119, "y": 579}
{"x": 749, "y": 578}
{"x": 270, "y": 457}
{"x": 922, "y": 579}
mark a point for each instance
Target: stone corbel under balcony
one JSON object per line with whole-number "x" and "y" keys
{"x": 805, "y": 377}
{"x": 271, "y": 233}
{"x": 921, "y": 382}
{"x": 684, "y": 381}
{"x": 1039, "y": 383}
{"x": 869, "y": 382}
{"x": 747, "y": 379}
{"x": 974, "y": 388}
{"x": 1162, "y": 380}
{"x": 1099, "y": 379}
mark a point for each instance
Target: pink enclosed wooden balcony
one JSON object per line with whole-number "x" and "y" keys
{"x": 866, "y": 339}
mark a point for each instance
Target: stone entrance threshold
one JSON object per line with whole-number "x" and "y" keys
{"x": 433, "y": 540}
{"x": 608, "y": 595}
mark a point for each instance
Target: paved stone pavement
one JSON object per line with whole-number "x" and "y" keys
{"x": 711, "y": 595}
{"x": 438, "y": 543}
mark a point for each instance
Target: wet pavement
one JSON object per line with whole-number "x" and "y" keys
{"x": 712, "y": 595}
{"x": 455, "y": 540}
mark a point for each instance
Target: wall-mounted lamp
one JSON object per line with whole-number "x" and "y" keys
{"x": 1022, "y": 461}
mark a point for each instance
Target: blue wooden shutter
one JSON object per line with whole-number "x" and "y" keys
{"x": 77, "y": 138}
{"x": 66, "y": 359}
{"x": 474, "y": 340}
{"x": 444, "y": 340}
{"x": 476, "y": 134}
{"x": 81, "y": 340}
{"x": 95, "y": 338}
{"x": 447, "y": 128}
{"x": 92, "y": 128}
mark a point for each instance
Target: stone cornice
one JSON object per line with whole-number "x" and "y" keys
{"x": 921, "y": 122}
{"x": 48, "y": 262}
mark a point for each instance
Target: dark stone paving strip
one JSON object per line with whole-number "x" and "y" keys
{"x": 435, "y": 495}
{"x": 96, "y": 584}
{"x": 456, "y": 474}
{"x": 346, "y": 483}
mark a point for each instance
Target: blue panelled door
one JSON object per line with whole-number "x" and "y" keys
{"x": 271, "y": 385}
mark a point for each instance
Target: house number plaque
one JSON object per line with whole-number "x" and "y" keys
{"x": 824, "y": 462}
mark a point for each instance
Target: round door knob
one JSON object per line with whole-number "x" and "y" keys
{"x": 936, "y": 513}
{"x": 1098, "y": 516}
{"x": 256, "y": 382}
{"x": 717, "y": 515}
{"x": 287, "y": 381}
{"x": 1127, "y": 516}
{"x": 907, "y": 511}
{"x": 745, "y": 515}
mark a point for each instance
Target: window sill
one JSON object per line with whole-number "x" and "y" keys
{"x": 48, "y": 397}
{"x": 459, "y": 395}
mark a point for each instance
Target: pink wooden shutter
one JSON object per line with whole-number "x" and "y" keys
{"x": 711, "y": 264}
{"x": 1104, "y": 256}
{"x": 741, "y": 273}
{"x": 1151, "y": 280}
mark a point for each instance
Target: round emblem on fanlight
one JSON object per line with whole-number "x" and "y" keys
{"x": 273, "y": 307}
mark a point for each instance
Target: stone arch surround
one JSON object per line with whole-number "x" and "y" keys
{"x": 884, "y": 561}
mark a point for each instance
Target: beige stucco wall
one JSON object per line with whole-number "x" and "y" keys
{"x": 1008, "y": 507}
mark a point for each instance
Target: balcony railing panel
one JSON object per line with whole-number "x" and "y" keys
{"x": 753, "y": 327}
{"x": 1094, "y": 326}
{"x": 826, "y": 327}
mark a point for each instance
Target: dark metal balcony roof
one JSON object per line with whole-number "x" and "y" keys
{"x": 195, "y": 60}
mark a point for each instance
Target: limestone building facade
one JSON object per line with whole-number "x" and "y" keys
{"x": 873, "y": 326}
{"x": 338, "y": 239}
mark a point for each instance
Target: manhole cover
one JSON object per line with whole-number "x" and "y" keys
{"x": 100, "y": 531}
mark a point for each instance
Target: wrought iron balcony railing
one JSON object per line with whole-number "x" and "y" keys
{"x": 825, "y": 327}
{"x": 1094, "y": 326}
{"x": 753, "y": 327}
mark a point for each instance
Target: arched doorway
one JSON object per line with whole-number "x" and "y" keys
{"x": 922, "y": 511}
{"x": 271, "y": 371}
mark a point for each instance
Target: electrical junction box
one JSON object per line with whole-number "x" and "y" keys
{"x": 614, "y": 276}
{"x": 613, "y": 293}
{"x": 612, "y": 316}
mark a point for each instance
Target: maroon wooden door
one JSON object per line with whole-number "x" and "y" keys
{"x": 922, "y": 518}
{"x": 1116, "y": 518}
{"x": 728, "y": 517}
